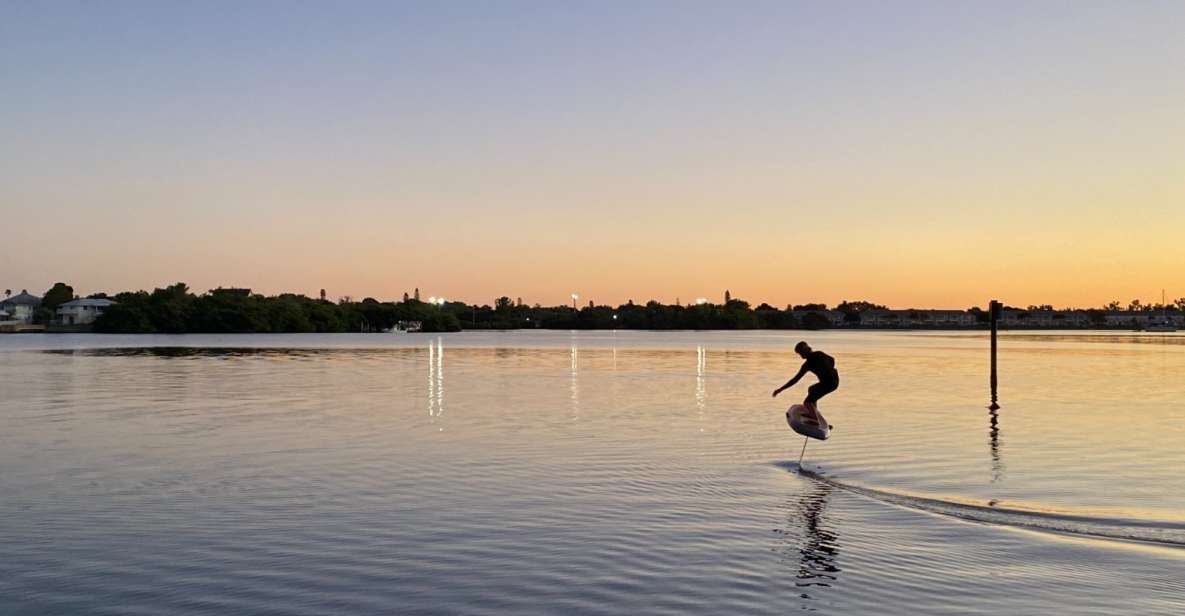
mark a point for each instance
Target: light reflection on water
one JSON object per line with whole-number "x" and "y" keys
{"x": 583, "y": 472}
{"x": 574, "y": 387}
{"x": 436, "y": 379}
{"x": 701, "y": 386}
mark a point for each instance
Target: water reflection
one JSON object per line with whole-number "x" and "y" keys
{"x": 436, "y": 378}
{"x": 194, "y": 352}
{"x": 701, "y": 391}
{"x": 817, "y": 545}
{"x": 994, "y": 442}
{"x": 994, "y": 421}
{"x": 1070, "y": 336}
{"x": 574, "y": 387}
{"x": 214, "y": 352}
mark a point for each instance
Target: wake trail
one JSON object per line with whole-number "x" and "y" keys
{"x": 1163, "y": 532}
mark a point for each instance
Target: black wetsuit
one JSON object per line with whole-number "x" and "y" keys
{"x": 822, "y": 366}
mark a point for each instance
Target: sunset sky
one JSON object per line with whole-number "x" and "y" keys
{"x": 914, "y": 154}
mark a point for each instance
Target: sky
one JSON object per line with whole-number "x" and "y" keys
{"x": 915, "y": 154}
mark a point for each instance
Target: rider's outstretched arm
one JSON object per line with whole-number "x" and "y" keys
{"x": 791, "y": 382}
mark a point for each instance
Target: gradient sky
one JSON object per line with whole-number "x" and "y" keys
{"x": 914, "y": 154}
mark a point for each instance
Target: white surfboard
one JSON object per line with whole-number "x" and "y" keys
{"x": 796, "y": 417}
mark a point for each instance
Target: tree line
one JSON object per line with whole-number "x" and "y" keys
{"x": 176, "y": 310}
{"x": 653, "y": 315}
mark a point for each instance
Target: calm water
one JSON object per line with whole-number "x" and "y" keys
{"x": 593, "y": 473}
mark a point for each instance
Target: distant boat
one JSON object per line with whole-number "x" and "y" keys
{"x": 403, "y": 327}
{"x": 1164, "y": 323}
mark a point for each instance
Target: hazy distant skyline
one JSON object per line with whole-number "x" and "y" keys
{"x": 912, "y": 154}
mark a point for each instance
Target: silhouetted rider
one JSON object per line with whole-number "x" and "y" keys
{"x": 822, "y": 366}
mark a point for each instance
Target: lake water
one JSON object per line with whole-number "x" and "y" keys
{"x": 589, "y": 473}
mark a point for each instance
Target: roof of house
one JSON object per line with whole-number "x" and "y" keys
{"x": 98, "y": 303}
{"x": 21, "y": 299}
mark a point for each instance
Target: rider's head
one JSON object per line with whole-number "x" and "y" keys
{"x": 803, "y": 349}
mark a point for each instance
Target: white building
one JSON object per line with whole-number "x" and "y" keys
{"x": 1072, "y": 318}
{"x": 82, "y": 311}
{"x": 836, "y": 317}
{"x": 1139, "y": 319}
{"x": 875, "y": 317}
{"x": 1125, "y": 318}
{"x": 914, "y": 318}
{"x": 951, "y": 318}
{"x": 20, "y": 307}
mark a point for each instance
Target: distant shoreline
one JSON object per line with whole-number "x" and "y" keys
{"x": 176, "y": 309}
{"x": 76, "y": 330}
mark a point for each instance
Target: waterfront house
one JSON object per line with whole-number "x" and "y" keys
{"x": 951, "y": 318}
{"x": 1138, "y": 319}
{"x": 835, "y": 317}
{"x": 878, "y": 317}
{"x": 20, "y": 307}
{"x": 1125, "y": 318}
{"x": 875, "y": 317}
{"x": 1011, "y": 317}
{"x": 1071, "y": 318}
{"x": 912, "y": 317}
{"x": 82, "y": 311}
{"x": 1042, "y": 318}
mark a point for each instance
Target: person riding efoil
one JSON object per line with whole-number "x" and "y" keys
{"x": 822, "y": 366}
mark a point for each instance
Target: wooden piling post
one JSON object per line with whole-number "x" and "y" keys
{"x": 993, "y": 317}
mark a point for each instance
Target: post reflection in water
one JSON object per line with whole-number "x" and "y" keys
{"x": 436, "y": 379}
{"x": 817, "y": 544}
{"x": 994, "y": 443}
{"x": 994, "y": 432}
